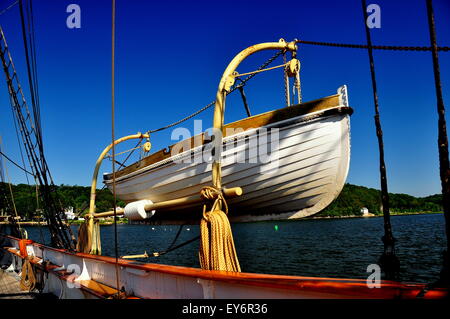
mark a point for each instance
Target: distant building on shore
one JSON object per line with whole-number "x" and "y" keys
{"x": 69, "y": 213}
{"x": 365, "y": 212}
{"x": 3, "y": 215}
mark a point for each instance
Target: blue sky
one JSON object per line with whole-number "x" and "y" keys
{"x": 170, "y": 56}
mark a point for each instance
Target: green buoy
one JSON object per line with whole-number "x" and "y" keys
{"x": 276, "y": 227}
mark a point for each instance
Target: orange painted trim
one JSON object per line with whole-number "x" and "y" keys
{"x": 341, "y": 286}
{"x": 92, "y": 287}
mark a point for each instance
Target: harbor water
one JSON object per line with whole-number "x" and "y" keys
{"x": 311, "y": 247}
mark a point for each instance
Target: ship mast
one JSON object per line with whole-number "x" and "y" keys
{"x": 31, "y": 135}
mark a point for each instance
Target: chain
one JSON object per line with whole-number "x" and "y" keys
{"x": 263, "y": 66}
{"x": 234, "y": 88}
{"x": 269, "y": 61}
{"x": 184, "y": 119}
{"x": 286, "y": 83}
{"x": 375, "y": 47}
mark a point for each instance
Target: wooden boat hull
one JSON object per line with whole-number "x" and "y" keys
{"x": 71, "y": 275}
{"x": 306, "y": 172}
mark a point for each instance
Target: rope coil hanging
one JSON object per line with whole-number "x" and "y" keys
{"x": 217, "y": 250}
{"x": 27, "y": 277}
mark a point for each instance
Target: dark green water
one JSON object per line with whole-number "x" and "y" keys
{"x": 321, "y": 247}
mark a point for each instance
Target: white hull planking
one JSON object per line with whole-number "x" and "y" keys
{"x": 312, "y": 168}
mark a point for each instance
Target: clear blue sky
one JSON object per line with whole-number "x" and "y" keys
{"x": 171, "y": 54}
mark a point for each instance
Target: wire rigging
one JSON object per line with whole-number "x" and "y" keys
{"x": 9, "y": 7}
{"x": 30, "y": 129}
{"x": 17, "y": 165}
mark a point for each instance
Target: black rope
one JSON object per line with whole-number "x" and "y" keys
{"x": 389, "y": 261}
{"x": 244, "y": 100}
{"x": 171, "y": 246}
{"x": 10, "y": 160}
{"x": 157, "y": 254}
{"x": 442, "y": 143}
{"x": 176, "y": 237}
{"x": 31, "y": 77}
{"x": 180, "y": 245}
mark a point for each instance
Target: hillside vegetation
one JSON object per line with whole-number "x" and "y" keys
{"x": 353, "y": 198}
{"x": 349, "y": 202}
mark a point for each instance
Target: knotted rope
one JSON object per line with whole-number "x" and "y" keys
{"x": 217, "y": 251}
{"x": 27, "y": 280}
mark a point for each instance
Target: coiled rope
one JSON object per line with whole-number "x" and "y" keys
{"x": 217, "y": 250}
{"x": 28, "y": 279}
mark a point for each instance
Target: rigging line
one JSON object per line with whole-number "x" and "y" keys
{"x": 10, "y": 160}
{"x": 236, "y": 86}
{"x": 389, "y": 260}
{"x": 31, "y": 39}
{"x": 31, "y": 84}
{"x": 176, "y": 237}
{"x": 374, "y": 47}
{"x": 83, "y": 208}
{"x": 11, "y": 192}
{"x": 20, "y": 145}
{"x": 174, "y": 248}
{"x": 442, "y": 141}
{"x": 3, "y": 185}
{"x": 57, "y": 233}
{"x": 21, "y": 156}
{"x": 263, "y": 70}
{"x": 9, "y": 7}
{"x": 131, "y": 149}
{"x": 129, "y": 155}
{"x": 113, "y": 39}
{"x": 58, "y": 229}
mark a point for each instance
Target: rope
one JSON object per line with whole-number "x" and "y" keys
{"x": 10, "y": 160}
{"x": 116, "y": 244}
{"x": 15, "y": 222}
{"x": 9, "y": 7}
{"x": 28, "y": 279}
{"x": 262, "y": 70}
{"x": 444, "y": 164}
{"x": 131, "y": 149}
{"x": 217, "y": 250}
{"x": 374, "y": 47}
{"x": 84, "y": 240}
{"x": 389, "y": 262}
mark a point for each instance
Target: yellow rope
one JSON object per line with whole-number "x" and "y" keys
{"x": 87, "y": 244}
{"x": 217, "y": 251}
{"x": 263, "y": 70}
{"x": 84, "y": 240}
{"x": 28, "y": 280}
